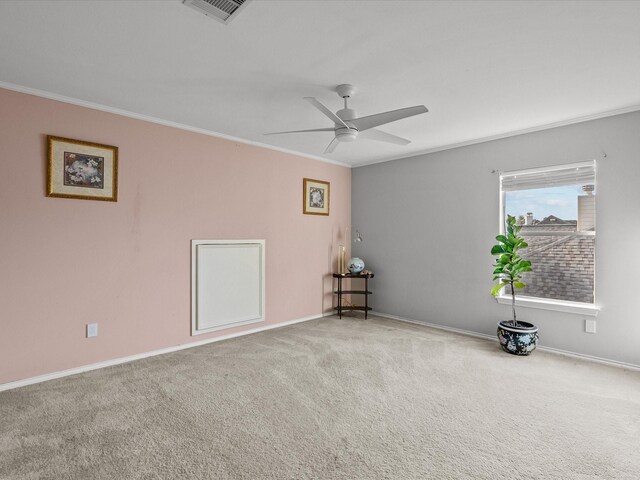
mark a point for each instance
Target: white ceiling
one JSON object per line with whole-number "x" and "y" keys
{"x": 483, "y": 69}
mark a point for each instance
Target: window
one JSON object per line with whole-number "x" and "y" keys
{"x": 556, "y": 208}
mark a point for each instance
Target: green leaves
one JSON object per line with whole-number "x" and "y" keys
{"x": 504, "y": 259}
{"x": 495, "y": 291}
{"x": 509, "y": 266}
{"x": 502, "y": 239}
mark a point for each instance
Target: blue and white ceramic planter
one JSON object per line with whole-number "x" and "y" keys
{"x": 519, "y": 340}
{"x": 356, "y": 265}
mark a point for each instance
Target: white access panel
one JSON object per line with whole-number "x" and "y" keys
{"x": 227, "y": 284}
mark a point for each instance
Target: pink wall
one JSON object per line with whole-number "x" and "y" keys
{"x": 126, "y": 265}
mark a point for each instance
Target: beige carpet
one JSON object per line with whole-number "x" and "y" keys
{"x": 329, "y": 399}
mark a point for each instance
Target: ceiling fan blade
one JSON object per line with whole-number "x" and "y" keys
{"x": 326, "y": 111}
{"x": 332, "y": 146}
{"x": 303, "y": 131}
{"x": 380, "y": 136}
{"x": 365, "y": 123}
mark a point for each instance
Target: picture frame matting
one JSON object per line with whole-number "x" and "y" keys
{"x": 83, "y": 170}
{"x": 316, "y": 197}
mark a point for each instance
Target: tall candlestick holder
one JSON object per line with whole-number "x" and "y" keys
{"x": 342, "y": 260}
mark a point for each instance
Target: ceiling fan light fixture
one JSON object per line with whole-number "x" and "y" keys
{"x": 346, "y": 134}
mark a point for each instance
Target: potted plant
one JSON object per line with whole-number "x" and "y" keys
{"x": 517, "y": 337}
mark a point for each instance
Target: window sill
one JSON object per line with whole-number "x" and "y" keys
{"x": 548, "y": 304}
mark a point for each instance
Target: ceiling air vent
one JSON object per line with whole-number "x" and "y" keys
{"x": 222, "y": 10}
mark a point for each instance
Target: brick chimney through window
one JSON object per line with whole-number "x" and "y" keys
{"x": 587, "y": 209}
{"x": 529, "y": 219}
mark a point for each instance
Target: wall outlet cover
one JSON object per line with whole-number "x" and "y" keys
{"x": 92, "y": 330}
{"x": 590, "y": 326}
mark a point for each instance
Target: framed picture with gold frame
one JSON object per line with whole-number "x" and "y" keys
{"x": 315, "y": 197}
{"x": 78, "y": 169}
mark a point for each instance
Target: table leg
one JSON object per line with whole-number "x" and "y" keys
{"x": 366, "y": 297}
{"x": 340, "y": 297}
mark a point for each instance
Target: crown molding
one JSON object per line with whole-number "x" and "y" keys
{"x": 189, "y": 128}
{"x": 159, "y": 121}
{"x": 513, "y": 133}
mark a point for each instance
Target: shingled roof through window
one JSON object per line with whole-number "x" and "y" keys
{"x": 563, "y": 264}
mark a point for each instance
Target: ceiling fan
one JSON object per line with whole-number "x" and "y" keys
{"x": 348, "y": 127}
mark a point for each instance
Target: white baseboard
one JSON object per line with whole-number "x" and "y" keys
{"x": 493, "y": 338}
{"x": 139, "y": 356}
{"x": 435, "y": 325}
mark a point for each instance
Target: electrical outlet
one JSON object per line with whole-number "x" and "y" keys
{"x": 590, "y": 326}
{"x": 92, "y": 330}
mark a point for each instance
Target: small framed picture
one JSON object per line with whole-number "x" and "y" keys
{"x": 78, "y": 169}
{"x": 316, "y": 197}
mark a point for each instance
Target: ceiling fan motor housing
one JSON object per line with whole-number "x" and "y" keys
{"x": 346, "y": 134}
{"x": 346, "y": 114}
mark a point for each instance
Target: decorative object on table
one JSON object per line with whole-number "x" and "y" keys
{"x": 518, "y": 338}
{"x": 342, "y": 259}
{"x": 315, "y": 197}
{"x": 342, "y": 249}
{"x": 343, "y": 304}
{"x": 355, "y": 265}
{"x": 78, "y": 169}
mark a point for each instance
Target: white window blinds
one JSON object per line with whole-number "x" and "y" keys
{"x": 571, "y": 174}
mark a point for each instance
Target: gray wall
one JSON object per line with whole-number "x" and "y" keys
{"x": 429, "y": 222}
